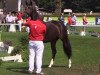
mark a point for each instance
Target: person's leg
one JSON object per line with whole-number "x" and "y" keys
{"x": 31, "y": 56}
{"x": 20, "y": 24}
{"x": 39, "y": 55}
{"x": 84, "y": 29}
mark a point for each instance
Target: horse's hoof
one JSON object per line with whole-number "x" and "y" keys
{"x": 69, "y": 66}
{"x": 49, "y": 66}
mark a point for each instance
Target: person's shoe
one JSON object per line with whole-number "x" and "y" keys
{"x": 41, "y": 73}
{"x": 30, "y": 72}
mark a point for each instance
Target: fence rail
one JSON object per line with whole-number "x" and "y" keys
{"x": 12, "y": 27}
{"x": 89, "y": 24}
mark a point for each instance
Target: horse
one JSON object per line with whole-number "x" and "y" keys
{"x": 54, "y": 30}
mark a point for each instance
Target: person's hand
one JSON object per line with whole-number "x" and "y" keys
{"x": 23, "y": 21}
{"x": 23, "y": 27}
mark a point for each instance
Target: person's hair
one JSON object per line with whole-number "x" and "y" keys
{"x": 34, "y": 15}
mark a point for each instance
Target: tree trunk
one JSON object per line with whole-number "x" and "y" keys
{"x": 58, "y": 6}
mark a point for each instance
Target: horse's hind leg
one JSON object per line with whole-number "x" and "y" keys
{"x": 67, "y": 50}
{"x": 54, "y": 51}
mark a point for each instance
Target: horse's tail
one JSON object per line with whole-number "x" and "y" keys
{"x": 66, "y": 43}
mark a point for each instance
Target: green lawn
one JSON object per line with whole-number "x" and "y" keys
{"x": 85, "y": 58}
{"x": 79, "y": 19}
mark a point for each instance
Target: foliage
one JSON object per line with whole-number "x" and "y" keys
{"x": 75, "y": 5}
{"x": 17, "y": 50}
{"x": 7, "y": 42}
{"x": 3, "y": 28}
{"x": 21, "y": 48}
{"x": 24, "y": 46}
{"x": 0, "y": 62}
{"x": 23, "y": 39}
{"x": 47, "y": 4}
{"x": 25, "y": 53}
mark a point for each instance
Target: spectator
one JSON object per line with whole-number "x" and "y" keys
{"x": 74, "y": 19}
{"x": 2, "y": 18}
{"x": 14, "y": 17}
{"x": 61, "y": 18}
{"x": 9, "y": 19}
{"x": 84, "y": 21}
{"x": 69, "y": 22}
{"x": 48, "y": 18}
{"x": 19, "y": 17}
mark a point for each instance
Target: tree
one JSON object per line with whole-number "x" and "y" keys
{"x": 76, "y": 5}
{"x": 58, "y": 6}
{"x": 46, "y": 4}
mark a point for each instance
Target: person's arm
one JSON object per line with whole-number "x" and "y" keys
{"x": 75, "y": 18}
{"x": 24, "y": 23}
{"x": 6, "y": 18}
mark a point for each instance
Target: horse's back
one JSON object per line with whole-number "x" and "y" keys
{"x": 51, "y": 32}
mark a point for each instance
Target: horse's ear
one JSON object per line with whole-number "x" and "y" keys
{"x": 31, "y": 2}
{"x": 26, "y": 3}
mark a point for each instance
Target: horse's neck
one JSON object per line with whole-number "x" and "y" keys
{"x": 41, "y": 17}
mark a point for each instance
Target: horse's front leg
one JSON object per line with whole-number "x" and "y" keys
{"x": 54, "y": 51}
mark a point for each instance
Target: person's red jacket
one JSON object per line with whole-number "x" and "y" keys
{"x": 19, "y": 15}
{"x": 69, "y": 21}
{"x": 37, "y": 30}
{"x": 85, "y": 20}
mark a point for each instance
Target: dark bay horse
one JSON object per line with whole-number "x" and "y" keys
{"x": 54, "y": 30}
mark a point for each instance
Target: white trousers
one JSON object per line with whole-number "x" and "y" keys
{"x": 36, "y": 49}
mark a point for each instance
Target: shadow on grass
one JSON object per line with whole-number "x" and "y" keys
{"x": 24, "y": 70}
{"x": 18, "y": 69}
{"x": 61, "y": 70}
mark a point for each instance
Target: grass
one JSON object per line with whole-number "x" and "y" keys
{"x": 79, "y": 19}
{"x": 85, "y": 59}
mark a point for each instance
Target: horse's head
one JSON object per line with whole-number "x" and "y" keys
{"x": 31, "y": 10}
{"x": 29, "y": 7}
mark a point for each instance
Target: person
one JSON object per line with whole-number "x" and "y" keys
{"x": 14, "y": 17}
{"x": 84, "y": 21}
{"x": 48, "y": 19}
{"x": 74, "y": 19}
{"x": 69, "y": 21}
{"x": 36, "y": 46}
{"x": 19, "y": 18}
{"x": 9, "y": 19}
{"x": 61, "y": 18}
{"x": 2, "y": 18}
{"x": 13, "y": 27}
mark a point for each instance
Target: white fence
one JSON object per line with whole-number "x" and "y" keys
{"x": 12, "y": 26}
{"x": 89, "y": 24}
{"x": 17, "y": 58}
